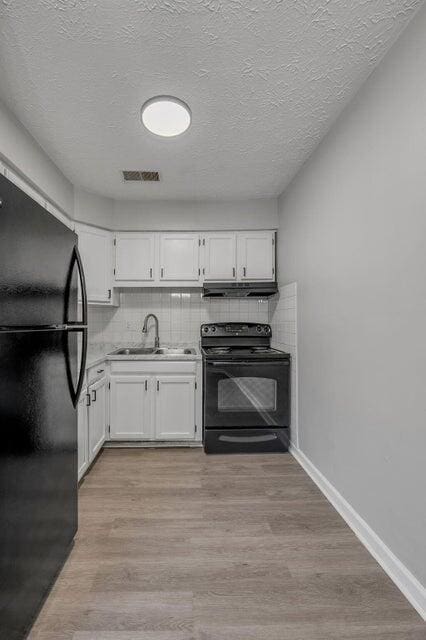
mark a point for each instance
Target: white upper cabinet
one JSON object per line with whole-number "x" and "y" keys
{"x": 172, "y": 259}
{"x": 220, "y": 256}
{"x": 95, "y": 247}
{"x": 256, "y": 255}
{"x": 179, "y": 257}
{"x": 175, "y": 407}
{"x": 135, "y": 257}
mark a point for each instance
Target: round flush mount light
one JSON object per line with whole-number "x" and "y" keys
{"x": 166, "y": 116}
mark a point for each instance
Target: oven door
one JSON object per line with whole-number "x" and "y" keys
{"x": 250, "y": 394}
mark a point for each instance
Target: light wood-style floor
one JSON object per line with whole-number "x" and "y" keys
{"x": 175, "y": 545}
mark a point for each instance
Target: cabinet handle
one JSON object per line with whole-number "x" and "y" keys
{"x": 146, "y": 385}
{"x": 109, "y": 294}
{"x": 150, "y": 272}
{"x": 88, "y": 403}
{"x": 100, "y": 370}
{"x": 233, "y": 272}
{"x": 204, "y": 271}
{"x": 244, "y": 271}
{"x": 94, "y": 395}
{"x": 158, "y": 386}
{"x": 199, "y": 271}
{"x": 162, "y": 272}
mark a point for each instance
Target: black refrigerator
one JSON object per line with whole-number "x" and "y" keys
{"x": 43, "y": 344}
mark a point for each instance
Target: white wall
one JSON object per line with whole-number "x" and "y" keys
{"x": 21, "y": 152}
{"x": 93, "y": 209}
{"x": 211, "y": 215}
{"x": 353, "y": 236}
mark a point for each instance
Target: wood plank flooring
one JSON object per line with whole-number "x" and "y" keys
{"x": 176, "y": 545}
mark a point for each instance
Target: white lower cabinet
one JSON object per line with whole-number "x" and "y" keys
{"x": 91, "y": 424}
{"x": 153, "y": 401}
{"x": 175, "y": 407}
{"x": 97, "y": 416}
{"x": 130, "y": 407}
{"x": 83, "y": 435}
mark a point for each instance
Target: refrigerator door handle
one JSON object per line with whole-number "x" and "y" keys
{"x": 76, "y": 261}
{"x": 77, "y": 326}
{"x": 26, "y": 328}
{"x": 33, "y": 328}
{"x": 75, "y": 394}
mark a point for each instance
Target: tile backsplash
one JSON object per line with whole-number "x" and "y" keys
{"x": 283, "y": 321}
{"x": 180, "y": 314}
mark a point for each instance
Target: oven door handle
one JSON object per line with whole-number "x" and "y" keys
{"x": 250, "y": 362}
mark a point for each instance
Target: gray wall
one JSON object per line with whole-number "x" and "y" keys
{"x": 175, "y": 215}
{"x": 353, "y": 235}
{"x": 203, "y": 215}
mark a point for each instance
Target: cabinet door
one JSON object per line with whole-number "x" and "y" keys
{"x": 83, "y": 436}
{"x": 135, "y": 256}
{"x": 95, "y": 247}
{"x": 220, "y": 256}
{"x": 179, "y": 256}
{"x": 130, "y": 407}
{"x": 175, "y": 407}
{"x": 97, "y": 417}
{"x": 256, "y": 255}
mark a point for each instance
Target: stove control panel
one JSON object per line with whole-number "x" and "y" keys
{"x": 230, "y": 329}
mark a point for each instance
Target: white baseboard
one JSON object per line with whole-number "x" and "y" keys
{"x": 408, "y": 584}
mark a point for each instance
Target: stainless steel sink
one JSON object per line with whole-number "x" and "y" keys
{"x": 169, "y": 351}
{"x": 134, "y": 351}
{"x": 145, "y": 351}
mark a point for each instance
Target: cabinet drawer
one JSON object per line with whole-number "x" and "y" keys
{"x": 96, "y": 372}
{"x": 152, "y": 367}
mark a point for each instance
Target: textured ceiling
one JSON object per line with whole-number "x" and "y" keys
{"x": 264, "y": 79}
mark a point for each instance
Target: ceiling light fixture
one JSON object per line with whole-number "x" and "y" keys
{"x": 166, "y": 116}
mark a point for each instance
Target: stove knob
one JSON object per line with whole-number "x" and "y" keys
{"x": 213, "y": 329}
{"x": 259, "y": 329}
{"x": 205, "y": 329}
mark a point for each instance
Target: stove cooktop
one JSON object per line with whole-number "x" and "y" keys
{"x": 242, "y": 353}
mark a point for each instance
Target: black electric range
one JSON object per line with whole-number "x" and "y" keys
{"x": 246, "y": 397}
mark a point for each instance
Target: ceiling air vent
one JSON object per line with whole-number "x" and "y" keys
{"x": 141, "y": 176}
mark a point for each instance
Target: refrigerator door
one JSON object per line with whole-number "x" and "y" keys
{"x": 40, "y": 267}
{"x": 38, "y": 470}
{"x": 35, "y": 259}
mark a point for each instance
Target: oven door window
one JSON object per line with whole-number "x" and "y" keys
{"x": 251, "y": 394}
{"x": 244, "y": 395}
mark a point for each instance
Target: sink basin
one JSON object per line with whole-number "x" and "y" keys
{"x": 145, "y": 351}
{"x": 166, "y": 351}
{"x": 134, "y": 351}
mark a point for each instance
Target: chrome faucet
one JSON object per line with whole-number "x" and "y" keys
{"x": 145, "y": 328}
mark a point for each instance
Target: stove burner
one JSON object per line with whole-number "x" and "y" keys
{"x": 219, "y": 349}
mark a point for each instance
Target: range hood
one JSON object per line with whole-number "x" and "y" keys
{"x": 239, "y": 289}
